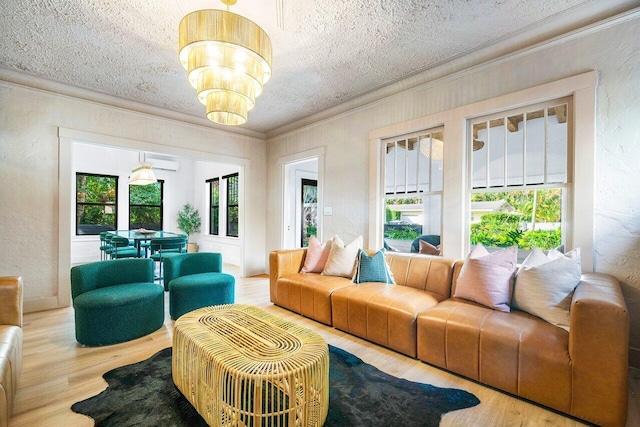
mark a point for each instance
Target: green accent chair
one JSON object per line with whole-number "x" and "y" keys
{"x": 116, "y": 301}
{"x": 195, "y": 280}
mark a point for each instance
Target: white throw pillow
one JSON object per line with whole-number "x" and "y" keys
{"x": 545, "y": 284}
{"x": 342, "y": 259}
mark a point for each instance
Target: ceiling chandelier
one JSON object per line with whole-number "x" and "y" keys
{"x": 228, "y": 60}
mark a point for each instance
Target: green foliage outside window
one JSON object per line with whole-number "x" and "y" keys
{"x": 96, "y": 203}
{"x": 145, "y": 206}
{"x": 506, "y": 229}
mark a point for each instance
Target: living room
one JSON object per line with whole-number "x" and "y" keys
{"x": 591, "y": 48}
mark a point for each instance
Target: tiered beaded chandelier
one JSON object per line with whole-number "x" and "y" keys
{"x": 228, "y": 60}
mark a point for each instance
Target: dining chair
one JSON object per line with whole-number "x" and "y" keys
{"x": 120, "y": 248}
{"x": 164, "y": 247}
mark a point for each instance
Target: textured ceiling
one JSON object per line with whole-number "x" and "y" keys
{"x": 325, "y": 52}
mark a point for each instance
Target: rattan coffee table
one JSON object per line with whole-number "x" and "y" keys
{"x": 241, "y": 366}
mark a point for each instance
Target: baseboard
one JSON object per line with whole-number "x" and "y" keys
{"x": 634, "y": 357}
{"x": 40, "y": 304}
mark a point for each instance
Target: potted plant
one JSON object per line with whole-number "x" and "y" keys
{"x": 189, "y": 222}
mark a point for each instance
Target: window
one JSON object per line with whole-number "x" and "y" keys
{"x": 413, "y": 173}
{"x": 309, "y": 220}
{"x": 145, "y": 206}
{"x": 214, "y": 206}
{"x": 232, "y": 204}
{"x": 520, "y": 176}
{"x": 96, "y": 203}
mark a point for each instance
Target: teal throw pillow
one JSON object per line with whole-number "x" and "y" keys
{"x": 372, "y": 268}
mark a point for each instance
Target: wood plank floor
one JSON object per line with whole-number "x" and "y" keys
{"x": 58, "y": 372}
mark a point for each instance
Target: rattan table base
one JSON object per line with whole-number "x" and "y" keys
{"x": 241, "y": 366}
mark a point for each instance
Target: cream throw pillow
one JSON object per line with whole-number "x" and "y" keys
{"x": 487, "y": 278}
{"x": 342, "y": 259}
{"x": 317, "y": 255}
{"x": 545, "y": 284}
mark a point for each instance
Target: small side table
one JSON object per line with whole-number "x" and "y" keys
{"x": 239, "y": 365}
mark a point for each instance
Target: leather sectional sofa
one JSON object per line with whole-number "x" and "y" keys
{"x": 10, "y": 343}
{"x": 582, "y": 372}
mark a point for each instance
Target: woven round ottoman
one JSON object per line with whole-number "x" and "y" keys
{"x": 188, "y": 293}
{"x": 241, "y": 366}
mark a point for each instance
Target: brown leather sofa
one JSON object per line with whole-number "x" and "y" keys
{"x": 582, "y": 372}
{"x": 10, "y": 343}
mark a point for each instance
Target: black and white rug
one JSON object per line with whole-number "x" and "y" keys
{"x": 143, "y": 394}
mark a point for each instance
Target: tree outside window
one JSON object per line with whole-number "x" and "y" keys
{"x": 214, "y": 206}
{"x": 145, "y": 206}
{"x": 232, "y": 205}
{"x": 96, "y": 203}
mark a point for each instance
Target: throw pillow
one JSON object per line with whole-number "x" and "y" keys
{"x": 428, "y": 249}
{"x": 545, "y": 284}
{"x": 342, "y": 258}
{"x": 317, "y": 255}
{"x": 372, "y": 268}
{"x": 487, "y": 278}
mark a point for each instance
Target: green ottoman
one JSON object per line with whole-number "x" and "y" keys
{"x": 188, "y": 293}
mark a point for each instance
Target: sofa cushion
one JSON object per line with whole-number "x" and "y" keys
{"x": 342, "y": 258}
{"x": 382, "y": 313}
{"x": 308, "y": 294}
{"x": 545, "y": 283}
{"x": 372, "y": 268}
{"x": 487, "y": 278}
{"x": 317, "y": 255}
{"x": 515, "y": 352}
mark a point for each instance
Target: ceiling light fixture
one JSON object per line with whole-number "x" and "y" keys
{"x": 228, "y": 60}
{"x": 141, "y": 173}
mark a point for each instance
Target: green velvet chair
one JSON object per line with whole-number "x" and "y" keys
{"x": 115, "y": 301}
{"x": 195, "y": 280}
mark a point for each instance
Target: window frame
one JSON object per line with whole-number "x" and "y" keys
{"x": 161, "y": 205}
{"x": 405, "y": 189}
{"x": 229, "y": 205}
{"x": 116, "y": 178}
{"x": 213, "y": 207}
{"x": 456, "y": 205}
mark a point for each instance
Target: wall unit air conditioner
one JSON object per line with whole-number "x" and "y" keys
{"x": 166, "y": 165}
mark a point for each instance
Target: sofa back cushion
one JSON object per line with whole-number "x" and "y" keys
{"x": 428, "y": 273}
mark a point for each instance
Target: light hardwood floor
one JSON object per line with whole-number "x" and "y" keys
{"x": 58, "y": 372}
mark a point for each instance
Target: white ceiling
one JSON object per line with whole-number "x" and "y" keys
{"x": 325, "y": 52}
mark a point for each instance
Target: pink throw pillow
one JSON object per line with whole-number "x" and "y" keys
{"x": 428, "y": 249}
{"x": 317, "y": 254}
{"x": 487, "y": 278}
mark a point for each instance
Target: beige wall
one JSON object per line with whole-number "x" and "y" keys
{"x": 29, "y": 153}
{"x": 611, "y": 50}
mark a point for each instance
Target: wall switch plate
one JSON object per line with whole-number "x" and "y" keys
{"x": 328, "y": 211}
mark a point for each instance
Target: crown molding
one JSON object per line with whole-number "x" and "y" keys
{"x": 22, "y": 79}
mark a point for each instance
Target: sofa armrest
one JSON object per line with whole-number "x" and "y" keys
{"x": 283, "y": 263}
{"x": 599, "y": 349}
{"x": 11, "y": 300}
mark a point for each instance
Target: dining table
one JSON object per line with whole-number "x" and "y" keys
{"x": 140, "y": 235}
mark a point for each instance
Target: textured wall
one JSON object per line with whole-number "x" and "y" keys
{"x": 612, "y": 51}
{"x": 29, "y": 121}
